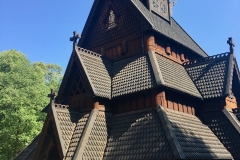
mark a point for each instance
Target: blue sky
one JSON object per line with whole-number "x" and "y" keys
{"x": 41, "y": 28}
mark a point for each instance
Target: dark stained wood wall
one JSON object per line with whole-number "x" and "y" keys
{"x": 167, "y": 48}
{"x": 120, "y": 40}
{"x": 181, "y": 102}
{"x": 153, "y": 98}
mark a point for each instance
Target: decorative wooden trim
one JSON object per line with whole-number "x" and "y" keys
{"x": 86, "y": 134}
{"x": 232, "y": 120}
{"x": 160, "y": 99}
{"x": 155, "y": 67}
{"x": 171, "y": 136}
{"x": 168, "y": 49}
{"x": 231, "y": 103}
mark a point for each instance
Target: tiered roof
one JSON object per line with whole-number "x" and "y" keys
{"x": 144, "y": 134}
{"x": 226, "y": 127}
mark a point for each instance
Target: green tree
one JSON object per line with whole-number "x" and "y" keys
{"x": 23, "y": 93}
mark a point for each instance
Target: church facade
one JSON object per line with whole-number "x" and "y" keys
{"x": 137, "y": 86}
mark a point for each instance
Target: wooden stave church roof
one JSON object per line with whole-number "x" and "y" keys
{"x": 123, "y": 77}
{"x": 145, "y": 134}
{"x": 150, "y": 21}
{"x": 130, "y": 75}
{"x": 171, "y": 124}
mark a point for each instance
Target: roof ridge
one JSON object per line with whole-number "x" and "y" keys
{"x": 65, "y": 107}
{"x": 188, "y": 35}
{"x": 89, "y": 52}
{"x": 214, "y": 57}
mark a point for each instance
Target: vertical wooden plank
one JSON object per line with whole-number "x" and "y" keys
{"x": 178, "y": 56}
{"x": 148, "y": 100}
{"x": 180, "y": 107}
{"x": 121, "y": 107}
{"x": 193, "y": 111}
{"x": 159, "y": 99}
{"x": 134, "y": 103}
{"x": 174, "y": 54}
{"x": 82, "y": 104}
{"x": 103, "y": 51}
{"x": 168, "y": 49}
{"x": 185, "y": 109}
{"x": 116, "y": 107}
{"x": 126, "y": 104}
{"x": 140, "y": 101}
{"x": 169, "y": 104}
{"x": 175, "y": 106}
{"x": 119, "y": 50}
{"x": 124, "y": 47}
{"x": 189, "y": 109}
{"x": 182, "y": 58}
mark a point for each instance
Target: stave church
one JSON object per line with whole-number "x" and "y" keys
{"x": 137, "y": 86}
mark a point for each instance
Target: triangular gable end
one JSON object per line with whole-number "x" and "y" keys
{"x": 235, "y": 83}
{"x": 48, "y": 144}
{"x": 108, "y": 21}
{"x": 212, "y": 75}
{"x": 98, "y": 70}
{"x": 75, "y": 81}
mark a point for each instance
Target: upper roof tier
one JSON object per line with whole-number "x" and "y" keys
{"x": 151, "y": 21}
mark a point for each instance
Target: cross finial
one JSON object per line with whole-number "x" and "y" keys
{"x": 231, "y": 44}
{"x": 52, "y": 94}
{"x": 75, "y": 37}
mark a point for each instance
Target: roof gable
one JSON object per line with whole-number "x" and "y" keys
{"x": 150, "y": 21}
{"x": 226, "y": 127}
{"x": 75, "y": 80}
{"x": 192, "y": 138}
{"x": 212, "y": 75}
{"x": 98, "y": 31}
{"x": 49, "y": 141}
{"x": 172, "y": 75}
{"x": 98, "y": 71}
{"x": 173, "y": 31}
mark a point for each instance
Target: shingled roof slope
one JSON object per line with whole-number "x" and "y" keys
{"x": 212, "y": 75}
{"x": 97, "y": 140}
{"x": 197, "y": 141}
{"x": 173, "y": 31}
{"x": 132, "y": 75}
{"x": 137, "y": 135}
{"x": 225, "y": 129}
{"x": 65, "y": 122}
{"x": 98, "y": 70}
{"x": 28, "y": 152}
{"x": 136, "y": 73}
{"x": 172, "y": 75}
{"x": 70, "y": 125}
{"x": 77, "y": 134}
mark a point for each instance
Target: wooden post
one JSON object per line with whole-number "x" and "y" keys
{"x": 182, "y": 57}
{"x": 168, "y": 49}
{"x": 160, "y": 99}
{"x": 124, "y": 47}
{"x": 149, "y": 42}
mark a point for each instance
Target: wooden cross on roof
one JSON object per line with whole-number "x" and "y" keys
{"x": 75, "y": 37}
{"x": 52, "y": 94}
{"x": 231, "y": 44}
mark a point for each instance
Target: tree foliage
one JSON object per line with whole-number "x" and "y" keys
{"x": 23, "y": 93}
